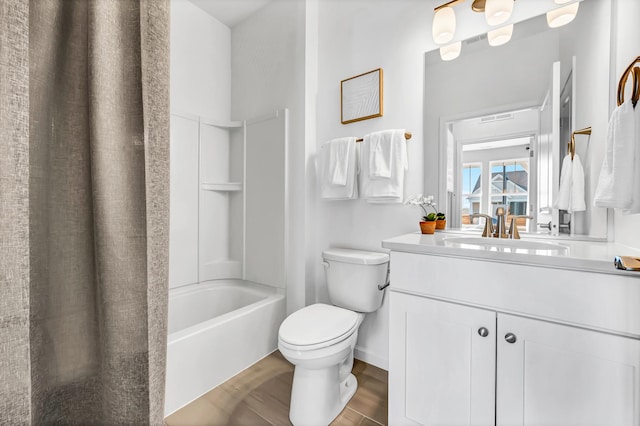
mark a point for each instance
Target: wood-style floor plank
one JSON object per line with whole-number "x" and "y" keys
{"x": 370, "y": 399}
{"x": 260, "y": 395}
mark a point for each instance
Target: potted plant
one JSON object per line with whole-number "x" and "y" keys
{"x": 428, "y": 223}
{"x": 441, "y": 220}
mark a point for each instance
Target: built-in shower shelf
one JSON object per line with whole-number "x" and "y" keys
{"x": 221, "y": 124}
{"x": 222, "y": 186}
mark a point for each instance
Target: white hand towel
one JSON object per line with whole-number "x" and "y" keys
{"x": 564, "y": 193}
{"x": 615, "y": 184}
{"x": 385, "y": 190}
{"x": 577, "y": 203}
{"x": 634, "y": 208}
{"x": 325, "y": 175}
{"x": 339, "y": 157}
{"x": 571, "y": 192}
{"x": 381, "y": 151}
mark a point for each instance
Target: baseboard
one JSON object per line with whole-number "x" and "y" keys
{"x": 371, "y": 358}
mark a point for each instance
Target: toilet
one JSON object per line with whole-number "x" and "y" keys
{"x": 319, "y": 339}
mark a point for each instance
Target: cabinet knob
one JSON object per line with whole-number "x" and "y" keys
{"x": 510, "y": 338}
{"x": 483, "y": 331}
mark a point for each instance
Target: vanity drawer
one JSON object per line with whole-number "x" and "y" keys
{"x": 604, "y": 302}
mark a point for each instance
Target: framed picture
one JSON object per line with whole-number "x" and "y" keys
{"x": 361, "y": 97}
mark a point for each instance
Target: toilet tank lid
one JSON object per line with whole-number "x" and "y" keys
{"x": 355, "y": 256}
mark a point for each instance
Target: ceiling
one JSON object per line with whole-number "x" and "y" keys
{"x": 230, "y": 12}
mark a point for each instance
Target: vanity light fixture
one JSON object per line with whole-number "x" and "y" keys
{"x": 497, "y": 12}
{"x": 500, "y": 36}
{"x": 444, "y": 17}
{"x": 444, "y": 24}
{"x": 562, "y": 15}
{"x": 450, "y": 51}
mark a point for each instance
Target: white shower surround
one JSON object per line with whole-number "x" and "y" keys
{"x": 216, "y": 330}
{"x": 230, "y": 204}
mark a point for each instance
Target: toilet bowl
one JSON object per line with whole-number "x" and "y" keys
{"x": 322, "y": 382}
{"x": 319, "y": 339}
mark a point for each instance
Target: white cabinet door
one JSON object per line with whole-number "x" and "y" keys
{"x": 560, "y": 375}
{"x": 441, "y": 367}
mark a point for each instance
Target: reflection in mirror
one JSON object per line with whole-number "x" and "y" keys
{"x": 501, "y": 118}
{"x": 496, "y": 169}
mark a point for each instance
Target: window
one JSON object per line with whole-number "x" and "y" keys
{"x": 471, "y": 191}
{"x": 510, "y": 187}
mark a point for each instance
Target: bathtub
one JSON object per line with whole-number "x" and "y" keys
{"x": 216, "y": 330}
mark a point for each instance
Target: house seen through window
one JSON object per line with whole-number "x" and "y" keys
{"x": 496, "y": 175}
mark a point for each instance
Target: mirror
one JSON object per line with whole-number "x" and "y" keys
{"x": 498, "y": 119}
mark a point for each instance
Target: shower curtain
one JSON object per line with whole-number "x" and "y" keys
{"x": 84, "y": 205}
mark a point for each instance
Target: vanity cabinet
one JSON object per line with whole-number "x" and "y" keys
{"x": 463, "y": 352}
{"x": 557, "y": 374}
{"x": 441, "y": 370}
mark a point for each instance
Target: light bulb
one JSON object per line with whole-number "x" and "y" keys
{"x": 497, "y": 12}
{"x": 450, "y": 51}
{"x": 444, "y": 25}
{"x": 500, "y": 36}
{"x": 563, "y": 15}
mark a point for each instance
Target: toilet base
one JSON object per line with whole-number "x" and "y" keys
{"x": 315, "y": 401}
{"x": 348, "y": 388}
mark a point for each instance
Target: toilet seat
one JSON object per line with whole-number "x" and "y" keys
{"x": 318, "y": 326}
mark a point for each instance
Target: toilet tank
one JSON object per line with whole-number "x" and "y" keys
{"x": 353, "y": 277}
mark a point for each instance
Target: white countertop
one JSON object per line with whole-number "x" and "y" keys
{"x": 590, "y": 256}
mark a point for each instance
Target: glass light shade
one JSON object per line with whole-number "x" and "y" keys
{"x": 500, "y": 36}
{"x": 444, "y": 25}
{"x": 497, "y": 12}
{"x": 563, "y": 15}
{"x": 450, "y": 51}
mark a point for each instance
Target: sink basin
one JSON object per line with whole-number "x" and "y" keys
{"x": 507, "y": 245}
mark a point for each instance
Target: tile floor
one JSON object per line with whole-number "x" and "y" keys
{"x": 260, "y": 396}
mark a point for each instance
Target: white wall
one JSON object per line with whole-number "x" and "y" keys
{"x": 266, "y": 206}
{"x": 200, "y": 86}
{"x": 200, "y": 62}
{"x": 310, "y": 137}
{"x": 184, "y": 189}
{"x": 268, "y": 67}
{"x": 354, "y": 37}
{"x": 626, "y": 48}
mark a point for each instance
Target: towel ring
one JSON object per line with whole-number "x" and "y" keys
{"x": 636, "y": 86}
{"x": 571, "y": 145}
{"x": 635, "y": 73}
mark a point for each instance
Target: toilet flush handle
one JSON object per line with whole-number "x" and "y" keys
{"x": 325, "y": 264}
{"x": 386, "y": 284}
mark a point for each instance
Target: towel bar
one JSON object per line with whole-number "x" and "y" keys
{"x": 407, "y": 136}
